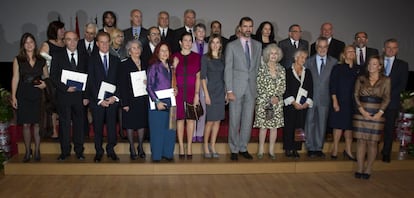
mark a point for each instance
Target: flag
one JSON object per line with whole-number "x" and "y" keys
{"x": 96, "y": 19}
{"x": 58, "y": 18}
{"x": 77, "y": 26}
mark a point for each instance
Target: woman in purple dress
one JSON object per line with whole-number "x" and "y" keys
{"x": 188, "y": 86}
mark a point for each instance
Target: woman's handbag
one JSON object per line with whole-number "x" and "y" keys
{"x": 300, "y": 135}
{"x": 269, "y": 111}
{"x": 193, "y": 112}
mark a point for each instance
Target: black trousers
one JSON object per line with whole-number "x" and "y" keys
{"x": 390, "y": 117}
{"x": 104, "y": 115}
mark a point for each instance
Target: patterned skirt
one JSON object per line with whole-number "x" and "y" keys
{"x": 368, "y": 129}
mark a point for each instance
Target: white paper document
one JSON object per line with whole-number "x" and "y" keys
{"x": 74, "y": 79}
{"x": 302, "y": 96}
{"x": 161, "y": 94}
{"x": 106, "y": 90}
{"x": 139, "y": 88}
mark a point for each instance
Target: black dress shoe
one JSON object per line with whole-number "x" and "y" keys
{"x": 63, "y": 157}
{"x": 234, "y": 157}
{"x": 365, "y": 176}
{"x": 288, "y": 153}
{"x": 80, "y": 156}
{"x": 312, "y": 154}
{"x": 358, "y": 175}
{"x": 167, "y": 158}
{"x": 386, "y": 158}
{"x": 246, "y": 155}
{"x": 113, "y": 156}
{"x": 133, "y": 156}
{"x": 97, "y": 158}
{"x": 295, "y": 154}
{"x": 320, "y": 154}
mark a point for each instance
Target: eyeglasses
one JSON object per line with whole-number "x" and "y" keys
{"x": 91, "y": 33}
{"x": 155, "y": 34}
{"x": 296, "y": 31}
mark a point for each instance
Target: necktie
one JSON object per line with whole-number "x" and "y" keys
{"x": 163, "y": 34}
{"x": 191, "y": 31}
{"x": 387, "y": 66}
{"x": 135, "y": 34}
{"x": 201, "y": 49}
{"x": 105, "y": 64}
{"x": 89, "y": 48}
{"x": 322, "y": 65}
{"x": 361, "y": 57}
{"x": 72, "y": 60}
{"x": 247, "y": 53}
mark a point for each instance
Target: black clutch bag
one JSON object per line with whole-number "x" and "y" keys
{"x": 269, "y": 111}
{"x": 193, "y": 112}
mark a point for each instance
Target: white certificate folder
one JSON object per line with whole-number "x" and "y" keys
{"x": 106, "y": 90}
{"x": 302, "y": 96}
{"x": 161, "y": 94}
{"x": 138, "y": 86}
{"x": 74, "y": 79}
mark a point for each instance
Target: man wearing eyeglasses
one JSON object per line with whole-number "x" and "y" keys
{"x": 154, "y": 37}
{"x": 362, "y": 51}
{"x": 290, "y": 45}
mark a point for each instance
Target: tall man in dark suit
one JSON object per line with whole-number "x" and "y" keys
{"x": 397, "y": 70}
{"x": 320, "y": 65}
{"x": 335, "y": 46}
{"x": 103, "y": 67}
{"x": 290, "y": 45}
{"x": 70, "y": 100}
{"x": 242, "y": 63}
{"x": 362, "y": 51}
{"x": 167, "y": 34}
{"x": 136, "y": 31}
{"x": 154, "y": 38}
{"x": 87, "y": 45}
{"x": 189, "y": 22}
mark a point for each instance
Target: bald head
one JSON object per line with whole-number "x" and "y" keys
{"x": 71, "y": 40}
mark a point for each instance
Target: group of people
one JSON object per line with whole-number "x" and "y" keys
{"x": 268, "y": 85}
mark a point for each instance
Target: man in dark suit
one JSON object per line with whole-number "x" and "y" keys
{"x": 362, "y": 51}
{"x": 189, "y": 22}
{"x": 70, "y": 100}
{"x": 320, "y": 65}
{"x": 215, "y": 28}
{"x": 103, "y": 67}
{"x": 290, "y": 45}
{"x": 397, "y": 70}
{"x": 87, "y": 45}
{"x": 167, "y": 34}
{"x": 242, "y": 65}
{"x": 154, "y": 38}
{"x": 335, "y": 46}
{"x": 136, "y": 31}
{"x": 108, "y": 21}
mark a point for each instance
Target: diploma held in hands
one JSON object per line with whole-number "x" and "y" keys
{"x": 161, "y": 94}
{"x": 106, "y": 90}
{"x": 138, "y": 86}
{"x": 302, "y": 96}
{"x": 74, "y": 79}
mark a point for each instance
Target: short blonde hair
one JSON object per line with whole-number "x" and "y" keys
{"x": 114, "y": 33}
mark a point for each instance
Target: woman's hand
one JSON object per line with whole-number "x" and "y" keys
{"x": 335, "y": 106}
{"x": 161, "y": 106}
{"x": 274, "y": 100}
{"x": 230, "y": 96}
{"x": 297, "y": 106}
{"x": 14, "y": 102}
{"x": 196, "y": 100}
{"x": 175, "y": 62}
{"x": 42, "y": 84}
{"x": 377, "y": 116}
{"x": 305, "y": 105}
{"x": 208, "y": 101}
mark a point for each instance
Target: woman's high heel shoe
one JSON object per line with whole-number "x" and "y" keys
{"x": 37, "y": 155}
{"x": 27, "y": 156}
{"x": 141, "y": 152}
{"x": 346, "y": 155}
{"x": 133, "y": 154}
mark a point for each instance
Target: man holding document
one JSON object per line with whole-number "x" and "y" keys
{"x": 68, "y": 73}
{"x": 102, "y": 90}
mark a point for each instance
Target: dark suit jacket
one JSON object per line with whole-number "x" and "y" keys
{"x": 334, "y": 50}
{"x": 399, "y": 78}
{"x": 82, "y": 49}
{"x": 96, "y": 74}
{"x": 146, "y": 55}
{"x": 369, "y": 52}
{"x": 142, "y": 35}
{"x": 289, "y": 50}
{"x": 59, "y": 62}
{"x": 170, "y": 38}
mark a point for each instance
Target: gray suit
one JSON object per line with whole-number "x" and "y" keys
{"x": 317, "y": 116}
{"x": 240, "y": 78}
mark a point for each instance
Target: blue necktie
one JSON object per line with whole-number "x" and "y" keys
{"x": 201, "y": 49}
{"x": 105, "y": 64}
{"x": 387, "y": 66}
{"x": 247, "y": 53}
